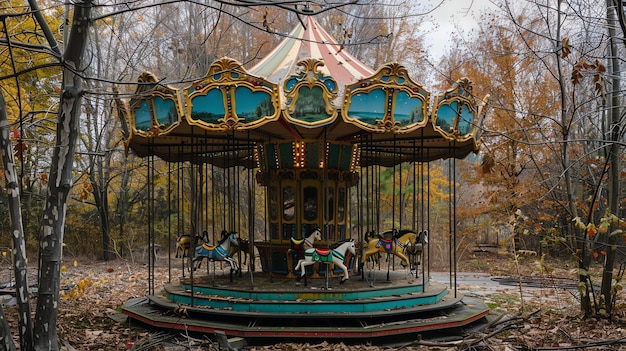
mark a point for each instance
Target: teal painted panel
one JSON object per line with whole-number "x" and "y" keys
{"x": 312, "y": 295}
{"x": 466, "y": 121}
{"x": 165, "y": 111}
{"x": 208, "y": 108}
{"x": 312, "y": 155}
{"x": 142, "y": 116}
{"x": 407, "y": 110}
{"x": 272, "y": 160}
{"x": 446, "y": 115}
{"x": 346, "y": 157}
{"x": 252, "y": 106}
{"x": 368, "y": 107}
{"x": 286, "y": 155}
{"x": 337, "y": 305}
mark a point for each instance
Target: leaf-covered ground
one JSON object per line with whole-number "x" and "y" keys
{"x": 540, "y": 314}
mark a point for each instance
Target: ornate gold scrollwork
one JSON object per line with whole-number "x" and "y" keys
{"x": 309, "y": 95}
{"x": 387, "y": 101}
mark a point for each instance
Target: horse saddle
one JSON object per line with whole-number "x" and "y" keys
{"x": 296, "y": 244}
{"x": 207, "y": 247}
{"x": 387, "y": 245}
{"x": 322, "y": 255}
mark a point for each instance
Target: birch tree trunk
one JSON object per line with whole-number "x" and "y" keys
{"x": 60, "y": 182}
{"x": 19, "y": 253}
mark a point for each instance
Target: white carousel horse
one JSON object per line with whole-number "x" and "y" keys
{"x": 395, "y": 246}
{"x": 297, "y": 247}
{"x": 307, "y": 242}
{"x": 336, "y": 256}
{"x": 219, "y": 252}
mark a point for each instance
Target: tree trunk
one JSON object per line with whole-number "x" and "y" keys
{"x": 60, "y": 183}
{"x": 614, "y": 159}
{"x": 582, "y": 245}
{"x": 19, "y": 253}
{"x": 6, "y": 341}
{"x": 101, "y": 199}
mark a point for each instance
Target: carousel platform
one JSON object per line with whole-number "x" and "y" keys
{"x": 266, "y": 309}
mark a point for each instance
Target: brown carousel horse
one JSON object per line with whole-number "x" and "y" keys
{"x": 396, "y": 245}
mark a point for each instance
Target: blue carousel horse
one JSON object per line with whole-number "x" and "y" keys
{"x": 336, "y": 255}
{"x": 219, "y": 252}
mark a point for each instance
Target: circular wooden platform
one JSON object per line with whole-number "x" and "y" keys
{"x": 260, "y": 306}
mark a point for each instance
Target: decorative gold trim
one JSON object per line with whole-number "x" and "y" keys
{"x": 310, "y": 77}
{"x": 392, "y": 79}
{"x": 461, "y": 93}
{"x": 147, "y": 89}
{"x": 227, "y": 75}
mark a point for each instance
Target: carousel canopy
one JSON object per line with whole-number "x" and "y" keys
{"x": 309, "y": 91}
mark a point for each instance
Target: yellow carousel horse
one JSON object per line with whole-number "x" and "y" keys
{"x": 395, "y": 246}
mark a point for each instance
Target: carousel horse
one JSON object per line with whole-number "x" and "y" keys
{"x": 219, "y": 252}
{"x": 243, "y": 245}
{"x": 183, "y": 242}
{"x": 395, "y": 245}
{"x": 297, "y": 247}
{"x": 335, "y": 255}
{"x": 415, "y": 251}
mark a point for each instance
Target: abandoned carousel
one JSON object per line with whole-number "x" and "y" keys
{"x": 306, "y": 180}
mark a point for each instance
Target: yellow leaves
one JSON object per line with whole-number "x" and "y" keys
{"x": 578, "y": 223}
{"x": 606, "y": 222}
{"x": 78, "y": 290}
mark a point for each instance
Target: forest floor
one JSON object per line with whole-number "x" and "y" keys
{"x": 543, "y": 313}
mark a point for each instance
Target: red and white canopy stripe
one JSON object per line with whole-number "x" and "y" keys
{"x": 311, "y": 41}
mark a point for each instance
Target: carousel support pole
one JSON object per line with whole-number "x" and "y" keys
{"x": 212, "y": 262}
{"x": 327, "y": 275}
{"x": 388, "y": 268}
{"x": 289, "y": 255}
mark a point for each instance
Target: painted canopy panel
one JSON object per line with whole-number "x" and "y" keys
{"x": 307, "y": 88}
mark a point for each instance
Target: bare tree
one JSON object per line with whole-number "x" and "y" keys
{"x": 19, "y": 254}
{"x": 52, "y": 227}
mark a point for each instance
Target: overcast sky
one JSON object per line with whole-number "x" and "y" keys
{"x": 449, "y": 15}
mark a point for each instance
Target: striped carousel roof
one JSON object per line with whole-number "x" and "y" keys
{"x": 310, "y": 40}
